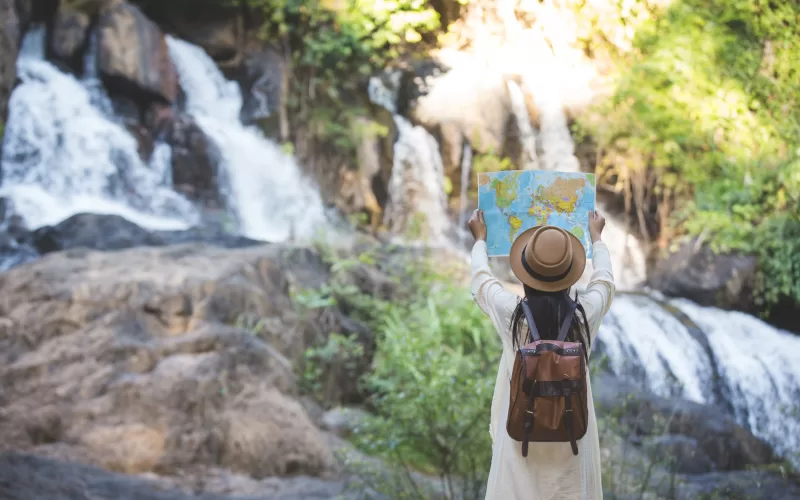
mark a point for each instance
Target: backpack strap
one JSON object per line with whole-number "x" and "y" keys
{"x": 569, "y": 422}
{"x": 528, "y": 426}
{"x": 562, "y": 333}
{"x": 531, "y": 324}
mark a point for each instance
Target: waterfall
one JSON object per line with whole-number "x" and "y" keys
{"x": 526, "y": 134}
{"x": 757, "y": 375}
{"x": 266, "y": 191}
{"x": 417, "y": 204}
{"x": 63, "y": 155}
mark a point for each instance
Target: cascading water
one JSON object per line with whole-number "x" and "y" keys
{"x": 558, "y": 153}
{"x": 266, "y": 190}
{"x": 417, "y": 201}
{"x": 757, "y": 375}
{"x": 527, "y": 135}
{"x": 62, "y": 155}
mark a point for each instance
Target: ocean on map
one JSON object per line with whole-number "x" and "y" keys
{"x": 516, "y": 200}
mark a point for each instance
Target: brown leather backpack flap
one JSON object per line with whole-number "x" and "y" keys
{"x": 551, "y": 360}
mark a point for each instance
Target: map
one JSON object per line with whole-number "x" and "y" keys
{"x": 515, "y": 200}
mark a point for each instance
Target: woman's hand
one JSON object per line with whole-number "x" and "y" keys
{"x": 477, "y": 225}
{"x": 596, "y": 224}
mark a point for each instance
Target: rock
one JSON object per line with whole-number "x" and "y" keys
{"x": 285, "y": 444}
{"x": 728, "y": 445}
{"x": 260, "y": 76}
{"x": 149, "y": 359}
{"x": 14, "y": 253}
{"x": 131, "y": 449}
{"x": 26, "y": 477}
{"x": 195, "y": 170}
{"x": 342, "y": 421}
{"x": 10, "y": 39}
{"x": 133, "y": 58}
{"x": 68, "y": 37}
{"x": 752, "y": 485}
{"x": 216, "y": 27}
{"x": 112, "y": 232}
{"x": 696, "y": 273}
{"x": 683, "y": 453}
{"x": 92, "y": 231}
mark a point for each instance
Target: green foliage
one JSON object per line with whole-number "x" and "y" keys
{"x": 338, "y": 353}
{"x": 431, "y": 377}
{"x": 431, "y": 386}
{"x": 333, "y": 46}
{"x": 489, "y": 162}
{"x": 706, "y": 100}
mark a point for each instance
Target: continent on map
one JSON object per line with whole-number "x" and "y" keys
{"x": 505, "y": 189}
{"x": 577, "y": 231}
{"x": 540, "y": 211}
{"x": 563, "y": 193}
{"x": 515, "y": 223}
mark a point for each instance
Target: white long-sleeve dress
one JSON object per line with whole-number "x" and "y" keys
{"x": 550, "y": 471}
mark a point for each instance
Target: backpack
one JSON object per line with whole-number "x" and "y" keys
{"x": 548, "y": 400}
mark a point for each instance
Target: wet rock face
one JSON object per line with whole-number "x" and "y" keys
{"x": 704, "y": 435}
{"x": 112, "y": 232}
{"x": 215, "y": 26}
{"x": 133, "y": 56}
{"x": 10, "y": 37}
{"x": 69, "y": 37}
{"x": 696, "y": 273}
{"x": 195, "y": 171}
{"x": 261, "y": 77}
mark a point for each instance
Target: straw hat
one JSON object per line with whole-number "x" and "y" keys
{"x": 547, "y": 258}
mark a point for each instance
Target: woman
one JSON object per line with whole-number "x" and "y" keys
{"x": 548, "y": 261}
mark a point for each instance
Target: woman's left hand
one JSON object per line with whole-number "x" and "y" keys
{"x": 477, "y": 225}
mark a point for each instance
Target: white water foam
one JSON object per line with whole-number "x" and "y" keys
{"x": 267, "y": 192}
{"x": 757, "y": 363}
{"x": 62, "y": 155}
{"x": 417, "y": 201}
{"x": 416, "y": 187}
{"x": 526, "y": 132}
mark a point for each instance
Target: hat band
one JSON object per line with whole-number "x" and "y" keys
{"x": 539, "y": 276}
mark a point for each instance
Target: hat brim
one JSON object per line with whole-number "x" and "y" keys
{"x": 575, "y": 273}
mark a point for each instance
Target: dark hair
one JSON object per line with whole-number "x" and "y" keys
{"x": 548, "y": 310}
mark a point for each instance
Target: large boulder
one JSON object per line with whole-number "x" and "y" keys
{"x": 695, "y": 272}
{"x": 112, "y": 232}
{"x": 133, "y": 57}
{"x": 703, "y": 433}
{"x": 139, "y": 361}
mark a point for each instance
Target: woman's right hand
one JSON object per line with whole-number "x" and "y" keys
{"x": 596, "y": 224}
{"x": 477, "y": 225}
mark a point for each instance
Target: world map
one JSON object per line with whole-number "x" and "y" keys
{"x": 516, "y": 200}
